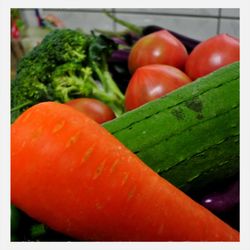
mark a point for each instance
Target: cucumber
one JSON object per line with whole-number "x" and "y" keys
{"x": 190, "y": 136}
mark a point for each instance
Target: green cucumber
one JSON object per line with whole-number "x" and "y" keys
{"x": 190, "y": 136}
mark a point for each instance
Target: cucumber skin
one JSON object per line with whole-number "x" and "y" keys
{"x": 190, "y": 136}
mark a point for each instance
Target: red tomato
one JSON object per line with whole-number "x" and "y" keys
{"x": 151, "y": 82}
{"x": 160, "y": 47}
{"x": 15, "y": 33}
{"x": 94, "y": 108}
{"x": 211, "y": 55}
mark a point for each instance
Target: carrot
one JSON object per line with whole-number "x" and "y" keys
{"x": 71, "y": 174}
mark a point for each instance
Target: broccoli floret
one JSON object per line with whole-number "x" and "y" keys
{"x": 65, "y": 65}
{"x": 72, "y": 80}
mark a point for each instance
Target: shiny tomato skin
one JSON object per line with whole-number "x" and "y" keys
{"x": 151, "y": 82}
{"x": 93, "y": 108}
{"x": 160, "y": 47}
{"x": 211, "y": 55}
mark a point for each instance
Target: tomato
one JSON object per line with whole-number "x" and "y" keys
{"x": 160, "y": 47}
{"x": 151, "y": 82}
{"x": 94, "y": 108}
{"x": 211, "y": 55}
{"x": 15, "y": 33}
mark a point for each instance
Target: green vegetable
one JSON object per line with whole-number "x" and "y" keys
{"x": 190, "y": 136}
{"x": 15, "y": 223}
{"x": 24, "y": 228}
{"x": 65, "y": 65}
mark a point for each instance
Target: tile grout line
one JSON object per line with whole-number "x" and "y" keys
{"x": 144, "y": 13}
{"x": 219, "y": 21}
{"x": 114, "y": 25}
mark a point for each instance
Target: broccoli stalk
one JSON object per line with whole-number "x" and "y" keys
{"x": 67, "y": 64}
{"x": 113, "y": 96}
{"x": 70, "y": 81}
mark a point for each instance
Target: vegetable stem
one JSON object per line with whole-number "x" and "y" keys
{"x": 138, "y": 30}
{"x": 110, "y": 33}
{"x": 21, "y": 106}
{"x": 113, "y": 98}
{"x": 110, "y": 93}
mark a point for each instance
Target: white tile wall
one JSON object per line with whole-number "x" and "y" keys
{"x": 199, "y": 23}
{"x": 230, "y": 26}
{"x": 197, "y": 28}
{"x": 230, "y": 12}
{"x": 29, "y": 17}
{"x": 186, "y": 11}
{"x": 86, "y": 20}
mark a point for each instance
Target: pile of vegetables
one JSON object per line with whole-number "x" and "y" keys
{"x": 69, "y": 174}
{"x": 88, "y": 185}
{"x": 66, "y": 65}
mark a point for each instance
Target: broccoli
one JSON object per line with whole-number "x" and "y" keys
{"x": 67, "y": 64}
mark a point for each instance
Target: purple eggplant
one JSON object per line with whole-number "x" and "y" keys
{"x": 188, "y": 42}
{"x": 120, "y": 55}
{"x": 118, "y": 40}
{"x": 223, "y": 201}
{"x": 135, "y": 32}
{"x": 118, "y": 67}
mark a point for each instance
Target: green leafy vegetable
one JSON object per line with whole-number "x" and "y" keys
{"x": 67, "y": 64}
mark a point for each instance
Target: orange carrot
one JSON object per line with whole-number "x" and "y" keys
{"x": 71, "y": 174}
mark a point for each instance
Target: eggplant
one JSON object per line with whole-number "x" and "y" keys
{"x": 118, "y": 67}
{"x": 135, "y": 32}
{"x": 188, "y": 42}
{"x": 120, "y": 55}
{"x": 224, "y": 200}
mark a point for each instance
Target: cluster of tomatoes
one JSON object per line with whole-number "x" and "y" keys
{"x": 159, "y": 63}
